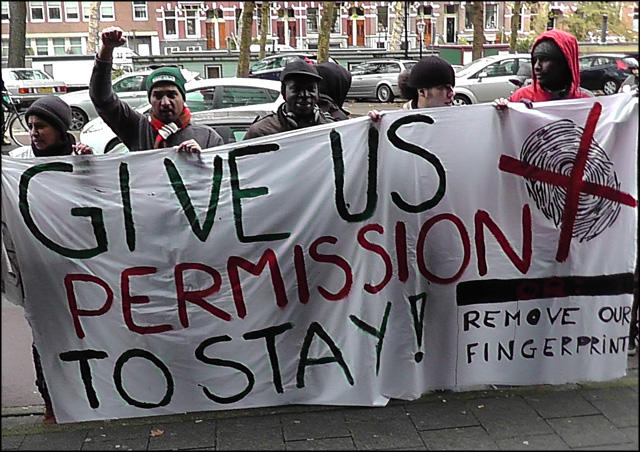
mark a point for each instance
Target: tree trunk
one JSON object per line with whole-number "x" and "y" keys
{"x": 93, "y": 40}
{"x": 397, "y": 28}
{"x": 17, "y": 33}
{"x": 326, "y": 22}
{"x": 515, "y": 25}
{"x": 264, "y": 28}
{"x": 245, "y": 39}
{"x": 477, "y": 10}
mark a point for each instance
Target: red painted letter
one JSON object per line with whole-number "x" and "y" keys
{"x": 73, "y": 304}
{"x": 128, "y": 300}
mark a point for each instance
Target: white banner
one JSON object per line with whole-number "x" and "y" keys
{"x": 342, "y": 264}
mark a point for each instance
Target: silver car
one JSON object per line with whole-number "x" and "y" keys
{"x": 492, "y": 77}
{"x": 26, "y": 85}
{"x": 129, "y": 87}
{"x": 377, "y": 79}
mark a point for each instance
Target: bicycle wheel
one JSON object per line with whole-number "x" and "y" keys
{"x": 19, "y": 131}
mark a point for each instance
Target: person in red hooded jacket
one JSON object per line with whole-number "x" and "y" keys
{"x": 556, "y": 72}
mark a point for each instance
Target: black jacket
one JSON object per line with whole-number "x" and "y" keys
{"x": 277, "y": 122}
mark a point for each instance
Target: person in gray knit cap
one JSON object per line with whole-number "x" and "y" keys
{"x": 49, "y": 119}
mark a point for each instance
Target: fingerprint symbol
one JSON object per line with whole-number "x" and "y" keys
{"x": 554, "y": 148}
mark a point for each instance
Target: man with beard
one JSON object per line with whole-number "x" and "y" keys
{"x": 300, "y": 108}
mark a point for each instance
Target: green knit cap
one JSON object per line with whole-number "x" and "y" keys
{"x": 167, "y": 74}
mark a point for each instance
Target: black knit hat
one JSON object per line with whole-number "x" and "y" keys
{"x": 431, "y": 71}
{"x": 53, "y": 110}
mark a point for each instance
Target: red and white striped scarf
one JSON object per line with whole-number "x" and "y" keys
{"x": 164, "y": 131}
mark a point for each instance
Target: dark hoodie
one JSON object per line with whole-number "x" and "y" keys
{"x": 333, "y": 89}
{"x": 569, "y": 47}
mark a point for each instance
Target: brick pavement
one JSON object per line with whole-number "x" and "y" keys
{"x": 591, "y": 416}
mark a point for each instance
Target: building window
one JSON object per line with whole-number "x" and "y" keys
{"x": 140, "y": 11}
{"x": 258, "y": 11}
{"x": 312, "y": 20}
{"x": 170, "y": 50}
{"x": 28, "y": 50}
{"x": 336, "y": 26}
{"x": 58, "y": 46}
{"x": 75, "y": 46}
{"x": 42, "y": 46}
{"x": 170, "y": 23}
{"x": 468, "y": 21}
{"x": 450, "y": 9}
{"x": 5, "y": 46}
{"x": 383, "y": 19}
{"x": 106, "y": 11}
{"x": 86, "y": 10}
{"x": 192, "y": 21}
{"x": 238, "y": 13}
{"x": 36, "y": 10}
{"x": 194, "y": 48}
{"x": 71, "y": 13}
{"x": 634, "y": 26}
{"x": 54, "y": 11}
{"x": 4, "y": 12}
{"x": 491, "y": 16}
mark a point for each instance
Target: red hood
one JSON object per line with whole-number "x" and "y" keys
{"x": 569, "y": 47}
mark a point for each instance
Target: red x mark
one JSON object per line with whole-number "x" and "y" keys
{"x": 573, "y": 183}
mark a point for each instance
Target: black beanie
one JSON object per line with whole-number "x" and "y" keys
{"x": 53, "y": 110}
{"x": 431, "y": 71}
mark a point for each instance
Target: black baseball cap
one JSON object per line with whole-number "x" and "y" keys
{"x": 299, "y": 67}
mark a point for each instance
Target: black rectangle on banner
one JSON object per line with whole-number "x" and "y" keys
{"x": 505, "y": 290}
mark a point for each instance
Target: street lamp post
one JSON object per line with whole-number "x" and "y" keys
{"x": 421, "y": 25}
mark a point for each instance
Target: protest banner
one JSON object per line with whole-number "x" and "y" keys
{"x": 347, "y": 263}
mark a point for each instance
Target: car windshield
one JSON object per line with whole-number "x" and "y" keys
{"x": 472, "y": 66}
{"x": 29, "y": 74}
{"x": 409, "y": 65}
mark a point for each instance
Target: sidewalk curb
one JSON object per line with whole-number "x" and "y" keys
{"x": 33, "y": 425}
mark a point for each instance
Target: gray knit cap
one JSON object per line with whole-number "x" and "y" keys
{"x": 53, "y": 110}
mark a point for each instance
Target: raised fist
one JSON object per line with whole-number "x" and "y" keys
{"x": 112, "y": 37}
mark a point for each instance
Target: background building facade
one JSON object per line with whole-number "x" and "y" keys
{"x": 161, "y": 28}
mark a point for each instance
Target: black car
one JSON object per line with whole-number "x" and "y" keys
{"x": 605, "y": 71}
{"x": 271, "y": 66}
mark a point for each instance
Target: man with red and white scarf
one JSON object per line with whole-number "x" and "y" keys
{"x": 170, "y": 120}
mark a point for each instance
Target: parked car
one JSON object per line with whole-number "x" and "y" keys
{"x": 377, "y": 79}
{"x": 630, "y": 83}
{"x": 491, "y": 77}
{"x": 129, "y": 87}
{"x": 605, "y": 71}
{"x": 26, "y": 85}
{"x": 232, "y": 94}
{"x": 270, "y": 67}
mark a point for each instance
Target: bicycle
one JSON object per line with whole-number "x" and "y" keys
{"x": 13, "y": 122}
